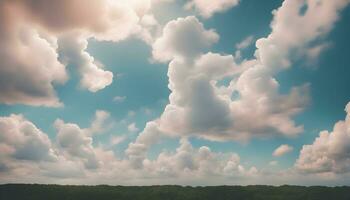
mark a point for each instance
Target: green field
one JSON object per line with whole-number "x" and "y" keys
{"x": 53, "y": 192}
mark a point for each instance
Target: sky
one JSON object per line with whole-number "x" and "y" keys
{"x": 189, "y": 92}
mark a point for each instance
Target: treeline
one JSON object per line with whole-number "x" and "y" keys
{"x": 103, "y": 192}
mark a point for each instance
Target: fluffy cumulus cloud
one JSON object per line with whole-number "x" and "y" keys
{"x": 192, "y": 77}
{"x": 183, "y": 38}
{"x": 282, "y": 150}
{"x": 330, "y": 152}
{"x": 22, "y": 140}
{"x": 207, "y": 8}
{"x": 73, "y": 141}
{"x": 295, "y": 27}
{"x": 72, "y": 50}
{"x": 38, "y": 42}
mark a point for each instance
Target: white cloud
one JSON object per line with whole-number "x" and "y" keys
{"x": 208, "y": 8}
{"x": 76, "y": 142}
{"x": 132, "y": 127}
{"x": 26, "y": 76}
{"x": 72, "y": 49}
{"x": 150, "y": 28}
{"x": 73, "y": 141}
{"x": 330, "y": 152}
{"x": 245, "y": 43}
{"x": 183, "y": 38}
{"x": 294, "y": 32}
{"x": 99, "y": 125}
{"x": 20, "y": 139}
{"x": 314, "y": 52}
{"x": 115, "y": 140}
{"x": 137, "y": 150}
{"x": 282, "y": 150}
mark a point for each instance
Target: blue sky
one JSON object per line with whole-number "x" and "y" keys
{"x": 139, "y": 94}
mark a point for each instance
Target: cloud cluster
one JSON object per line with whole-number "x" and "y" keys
{"x": 197, "y": 163}
{"x": 39, "y": 39}
{"x": 251, "y": 105}
{"x": 208, "y": 8}
{"x": 23, "y": 147}
{"x": 213, "y": 96}
{"x": 28, "y": 154}
{"x": 330, "y": 152}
